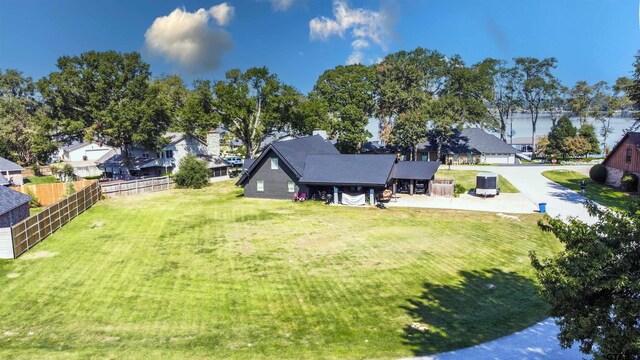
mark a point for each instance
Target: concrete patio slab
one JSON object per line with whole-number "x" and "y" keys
{"x": 515, "y": 203}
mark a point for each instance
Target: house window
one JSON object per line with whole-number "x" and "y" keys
{"x": 168, "y": 154}
{"x": 424, "y": 158}
{"x": 145, "y": 154}
{"x": 260, "y": 185}
{"x": 628, "y": 157}
{"x": 274, "y": 163}
{"x": 292, "y": 186}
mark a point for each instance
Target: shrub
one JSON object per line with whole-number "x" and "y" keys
{"x": 630, "y": 182}
{"x": 67, "y": 172}
{"x": 34, "y": 202}
{"x": 70, "y": 189}
{"x": 36, "y": 169}
{"x": 598, "y": 173}
{"x": 192, "y": 173}
{"x": 458, "y": 189}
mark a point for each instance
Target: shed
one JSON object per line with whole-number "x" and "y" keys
{"x": 14, "y": 207}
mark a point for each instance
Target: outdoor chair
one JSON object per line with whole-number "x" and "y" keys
{"x": 303, "y": 197}
{"x": 295, "y": 197}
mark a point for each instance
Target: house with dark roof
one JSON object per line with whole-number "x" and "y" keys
{"x": 313, "y": 166}
{"x": 14, "y": 207}
{"x": 11, "y": 171}
{"x": 143, "y": 162}
{"x": 468, "y": 146}
{"x": 623, "y": 159}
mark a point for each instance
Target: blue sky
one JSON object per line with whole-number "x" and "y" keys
{"x": 592, "y": 40}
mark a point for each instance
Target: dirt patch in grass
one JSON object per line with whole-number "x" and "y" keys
{"x": 38, "y": 255}
{"x": 13, "y": 275}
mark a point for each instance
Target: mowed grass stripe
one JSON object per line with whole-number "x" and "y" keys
{"x": 201, "y": 274}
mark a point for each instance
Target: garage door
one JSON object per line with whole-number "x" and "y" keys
{"x": 499, "y": 159}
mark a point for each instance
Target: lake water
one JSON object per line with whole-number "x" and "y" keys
{"x": 522, "y": 126}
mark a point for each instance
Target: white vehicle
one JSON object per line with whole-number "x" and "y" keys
{"x": 234, "y": 161}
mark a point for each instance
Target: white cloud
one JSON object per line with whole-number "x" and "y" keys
{"x": 281, "y": 5}
{"x": 187, "y": 38}
{"x": 362, "y": 25}
{"x": 222, "y": 13}
{"x": 355, "y": 57}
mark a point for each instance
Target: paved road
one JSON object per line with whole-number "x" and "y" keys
{"x": 538, "y": 341}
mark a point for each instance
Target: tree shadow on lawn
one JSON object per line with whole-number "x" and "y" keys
{"x": 483, "y": 306}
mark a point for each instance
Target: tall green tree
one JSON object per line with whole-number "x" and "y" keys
{"x": 581, "y": 100}
{"x": 199, "y": 113}
{"x": 563, "y": 130}
{"x": 406, "y": 81}
{"x": 348, "y": 92}
{"x": 106, "y": 96}
{"x": 536, "y": 84}
{"x": 504, "y": 96}
{"x": 593, "y": 285}
{"x": 253, "y": 105}
{"x": 409, "y": 131}
{"x": 25, "y": 130}
{"x": 588, "y": 132}
{"x": 633, "y": 90}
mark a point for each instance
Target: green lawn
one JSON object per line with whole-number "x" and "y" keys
{"x": 602, "y": 194}
{"x": 42, "y": 179}
{"x": 36, "y": 210}
{"x": 468, "y": 179}
{"x": 209, "y": 274}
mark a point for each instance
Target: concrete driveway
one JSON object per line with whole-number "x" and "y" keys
{"x": 560, "y": 201}
{"x": 538, "y": 341}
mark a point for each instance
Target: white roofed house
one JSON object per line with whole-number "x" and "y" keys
{"x": 144, "y": 162}
{"x": 10, "y": 173}
{"x": 84, "y": 157}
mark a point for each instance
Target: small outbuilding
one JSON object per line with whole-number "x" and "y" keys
{"x": 14, "y": 207}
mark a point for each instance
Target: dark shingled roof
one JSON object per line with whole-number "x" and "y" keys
{"x": 10, "y": 199}
{"x": 295, "y": 151}
{"x": 415, "y": 170}
{"x": 486, "y": 143}
{"x": 364, "y": 170}
{"x": 6, "y": 165}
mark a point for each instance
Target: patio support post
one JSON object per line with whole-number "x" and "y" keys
{"x": 335, "y": 195}
{"x": 411, "y": 186}
{"x": 371, "y": 197}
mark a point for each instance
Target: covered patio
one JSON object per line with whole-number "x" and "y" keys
{"x": 413, "y": 177}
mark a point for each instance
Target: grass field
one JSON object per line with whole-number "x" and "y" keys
{"x": 42, "y": 180}
{"x": 468, "y": 179}
{"x": 207, "y": 273}
{"x": 602, "y": 194}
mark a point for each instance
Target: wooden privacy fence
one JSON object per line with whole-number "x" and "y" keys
{"x": 121, "y": 188}
{"x": 441, "y": 187}
{"x": 36, "y": 228}
{"x": 48, "y": 194}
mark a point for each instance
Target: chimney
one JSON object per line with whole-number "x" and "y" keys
{"x": 213, "y": 142}
{"x": 322, "y": 133}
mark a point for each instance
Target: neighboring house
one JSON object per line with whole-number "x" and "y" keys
{"x": 86, "y": 151}
{"x": 524, "y": 143}
{"x": 312, "y": 165}
{"x": 624, "y": 158}
{"x": 4, "y": 181}
{"x": 142, "y": 162}
{"x": 14, "y": 207}
{"x": 469, "y": 146}
{"x": 11, "y": 171}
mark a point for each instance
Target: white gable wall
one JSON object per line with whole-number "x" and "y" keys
{"x": 92, "y": 151}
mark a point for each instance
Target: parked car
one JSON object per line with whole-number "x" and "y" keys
{"x": 234, "y": 161}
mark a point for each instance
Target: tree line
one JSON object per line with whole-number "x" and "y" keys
{"x": 112, "y": 98}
